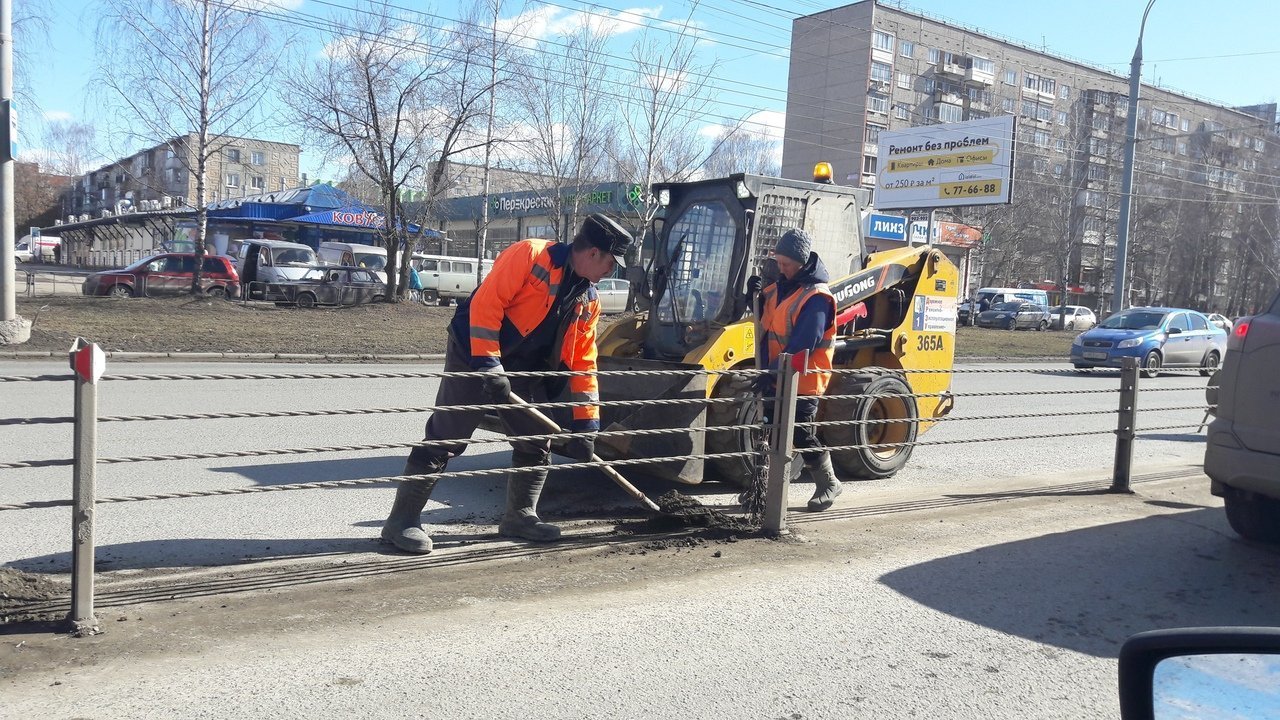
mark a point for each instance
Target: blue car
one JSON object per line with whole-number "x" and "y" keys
{"x": 1157, "y": 336}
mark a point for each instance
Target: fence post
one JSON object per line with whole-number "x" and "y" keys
{"x": 1126, "y": 426}
{"x": 780, "y": 443}
{"x": 88, "y": 361}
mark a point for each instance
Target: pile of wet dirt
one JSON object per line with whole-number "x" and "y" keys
{"x": 681, "y": 512}
{"x": 19, "y": 590}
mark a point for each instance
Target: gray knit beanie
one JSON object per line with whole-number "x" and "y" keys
{"x": 795, "y": 244}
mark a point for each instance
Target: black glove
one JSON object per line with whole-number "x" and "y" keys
{"x": 754, "y": 286}
{"x": 581, "y": 447}
{"x": 496, "y": 388}
{"x": 764, "y": 385}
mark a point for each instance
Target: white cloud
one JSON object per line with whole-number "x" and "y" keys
{"x": 544, "y": 22}
{"x": 764, "y": 123}
{"x": 58, "y": 116}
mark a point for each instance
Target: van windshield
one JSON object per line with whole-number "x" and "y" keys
{"x": 371, "y": 261}
{"x": 292, "y": 256}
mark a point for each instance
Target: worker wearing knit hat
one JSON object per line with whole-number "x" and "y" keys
{"x": 795, "y": 244}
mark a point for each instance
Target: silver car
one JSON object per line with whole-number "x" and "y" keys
{"x": 1242, "y": 455}
{"x": 613, "y": 295}
{"x": 1074, "y": 317}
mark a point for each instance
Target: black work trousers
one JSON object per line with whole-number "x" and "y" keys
{"x": 805, "y": 439}
{"x": 447, "y": 424}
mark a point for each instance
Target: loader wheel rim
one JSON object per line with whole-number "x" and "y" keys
{"x": 887, "y": 433}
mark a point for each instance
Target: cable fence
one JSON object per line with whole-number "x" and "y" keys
{"x": 673, "y": 424}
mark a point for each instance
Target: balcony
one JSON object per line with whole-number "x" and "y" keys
{"x": 981, "y": 72}
{"x": 948, "y": 96}
{"x": 955, "y": 67}
{"x": 870, "y": 149}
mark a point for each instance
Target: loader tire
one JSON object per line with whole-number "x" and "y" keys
{"x": 737, "y": 471}
{"x": 870, "y": 464}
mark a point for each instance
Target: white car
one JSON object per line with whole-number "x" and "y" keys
{"x": 1075, "y": 317}
{"x": 22, "y": 253}
{"x": 613, "y": 295}
{"x": 1221, "y": 321}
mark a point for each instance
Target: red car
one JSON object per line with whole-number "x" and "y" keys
{"x": 166, "y": 274}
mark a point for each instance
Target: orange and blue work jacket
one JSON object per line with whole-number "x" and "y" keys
{"x": 514, "y": 301}
{"x": 779, "y": 321}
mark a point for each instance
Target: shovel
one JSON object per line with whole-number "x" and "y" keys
{"x": 614, "y": 475}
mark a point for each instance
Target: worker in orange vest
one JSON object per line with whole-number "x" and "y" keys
{"x": 535, "y": 311}
{"x": 799, "y": 315}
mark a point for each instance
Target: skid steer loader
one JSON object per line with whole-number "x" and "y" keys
{"x": 896, "y": 312}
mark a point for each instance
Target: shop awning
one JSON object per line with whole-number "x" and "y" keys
{"x": 356, "y": 216}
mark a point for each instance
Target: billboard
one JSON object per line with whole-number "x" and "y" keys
{"x": 948, "y": 165}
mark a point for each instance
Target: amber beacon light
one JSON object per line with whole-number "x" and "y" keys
{"x": 822, "y": 173}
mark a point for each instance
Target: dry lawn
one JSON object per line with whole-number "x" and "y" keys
{"x": 187, "y": 325}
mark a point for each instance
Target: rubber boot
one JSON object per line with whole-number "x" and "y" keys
{"x": 826, "y": 486}
{"x": 403, "y": 527}
{"x": 521, "y": 517}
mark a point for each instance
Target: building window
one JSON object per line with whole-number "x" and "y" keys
{"x": 882, "y": 72}
{"x": 233, "y": 179}
{"x": 1062, "y": 117}
{"x": 1058, "y": 169}
{"x": 904, "y": 81}
{"x": 869, "y": 164}
{"x": 934, "y": 56}
{"x": 901, "y": 112}
{"x": 980, "y": 96}
{"x": 947, "y": 113}
{"x": 1097, "y": 171}
{"x": 907, "y": 49}
{"x": 1007, "y": 105}
{"x": 1041, "y": 138}
{"x": 1099, "y": 122}
{"x": 1186, "y": 124}
{"x": 1060, "y": 145}
{"x": 1039, "y": 83}
{"x": 984, "y": 65}
{"x": 1064, "y": 92}
{"x": 257, "y": 157}
{"x": 882, "y": 41}
{"x": 1010, "y": 77}
{"x": 1040, "y": 164}
{"x": 1096, "y": 147}
{"x": 872, "y": 133}
{"x": 233, "y": 155}
{"x": 258, "y": 182}
{"x": 977, "y": 115}
{"x": 1092, "y": 223}
{"x": 175, "y": 175}
{"x": 878, "y": 104}
{"x": 1093, "y": 198}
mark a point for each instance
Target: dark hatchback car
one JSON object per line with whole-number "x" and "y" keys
{"x": 166, "y": 274}
{"x": 328, "y": 285}
{"x": 1014, "y": 316}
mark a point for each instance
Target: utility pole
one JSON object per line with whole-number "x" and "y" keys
{"x": 1118, "y": 297}
{"x": 8, "y": 304}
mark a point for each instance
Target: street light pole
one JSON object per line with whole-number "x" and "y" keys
{"x": 1126, "y": 185}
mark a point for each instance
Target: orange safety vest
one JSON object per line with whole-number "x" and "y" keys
{"x": 777, "y": 321}
{"x": 519, "y": 291}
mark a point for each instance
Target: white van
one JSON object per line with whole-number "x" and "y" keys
{"x": 268, "y": 261}
{"x": 447, "y": 278}
{"x": 991, "y": 295}
{"x": 39, "y": 249}
{"x": 370, "y": 257}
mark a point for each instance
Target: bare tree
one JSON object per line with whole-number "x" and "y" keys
{"x": 190, "y": 72}
{"x": 566, "y": 120}
{"x": 391, "y": 97}
{"x": 739, "y": 148}
{"x": 71, "y": 147}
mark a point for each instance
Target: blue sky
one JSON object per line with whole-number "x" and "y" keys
{"x": 1224, "y": 51}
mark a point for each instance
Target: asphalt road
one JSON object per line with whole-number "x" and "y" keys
{"x": 989, "y": 579}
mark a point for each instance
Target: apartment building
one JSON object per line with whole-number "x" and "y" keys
{"x": 868, "y": 67}
{"x": 162, "y": 177}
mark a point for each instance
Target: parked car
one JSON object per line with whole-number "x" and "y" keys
{"x": 447, "y": 278}
{"x": 613, "y": 295}
{"x": 328, "y": 285}
{"x": 1242, "y": 455}
{"x": 1015, "y": 315}
{"x": 1157, "y": 336}
{"x": 1221, "y": 321}
{"x": 965, "y": 314}
{"x": 1074, "y": 317}
{"x": 166, "y": 274}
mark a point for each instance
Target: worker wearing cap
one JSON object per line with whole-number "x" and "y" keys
{"x": 536, "y": 310}
{"x": 799, "y": 315}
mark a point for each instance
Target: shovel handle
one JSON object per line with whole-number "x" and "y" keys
{"x": 614, "y": 475}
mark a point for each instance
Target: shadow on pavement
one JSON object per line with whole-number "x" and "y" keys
{"x": 1087, "y": 590}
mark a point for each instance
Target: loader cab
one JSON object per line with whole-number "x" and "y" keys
{"x": 714, "y": 234}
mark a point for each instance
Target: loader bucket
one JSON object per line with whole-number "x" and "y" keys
{"x": 649, "y": 417}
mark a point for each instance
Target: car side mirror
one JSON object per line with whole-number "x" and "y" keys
{"x": 1175, "y": 331}
{"x": 1220, "y": 672}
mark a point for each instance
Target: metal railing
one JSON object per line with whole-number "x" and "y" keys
{"x": 88, "y": 365}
